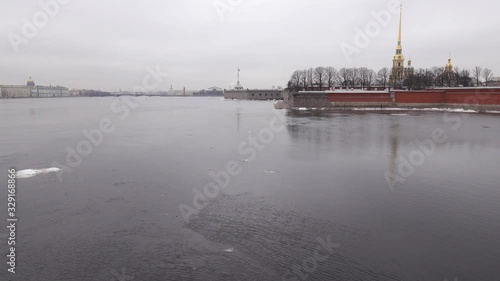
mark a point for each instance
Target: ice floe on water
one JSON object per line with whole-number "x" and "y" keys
{"x": 29, "y": 173}
{"x": 458, "y": 110}
{"x": 414, "y": 109}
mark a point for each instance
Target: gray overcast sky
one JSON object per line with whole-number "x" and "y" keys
{"x": 108, "y": 44}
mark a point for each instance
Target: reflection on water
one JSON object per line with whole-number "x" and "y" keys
{"x": 450, "y": 196}
{"x": 394, "y": 154}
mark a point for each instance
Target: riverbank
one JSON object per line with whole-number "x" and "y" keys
{"x": 393, "y": 109}
{"x": 475, "y": 99}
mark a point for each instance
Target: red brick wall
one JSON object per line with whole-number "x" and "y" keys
{"x": 482, "y": 96}
{"x": 420, "y": 97}
{"x": 359, "y": 97}
{"x": 474, "y": 96}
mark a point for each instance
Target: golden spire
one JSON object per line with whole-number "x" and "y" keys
{"x": 398, "y": 67}
{"x": 400, "y": 27}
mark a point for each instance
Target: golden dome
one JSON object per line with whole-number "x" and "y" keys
{"x": 449, "y": 64}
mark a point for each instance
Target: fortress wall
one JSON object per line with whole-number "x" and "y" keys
{"x": 253, "y": 94}
{"x": 360, "y": 97}
{"x": 237, "y": 95}
{"x": 479, "y": 96}
{"x": 469, "y": 98}
{"x": 420, "y": 97}
{"x": 311, "y": 100}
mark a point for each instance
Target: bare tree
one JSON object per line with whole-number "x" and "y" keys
{"x": 303, "y": 79}
{"x": 319, "y": 76}
{"x": 366, "y": 77}
{"x": 476, "y": 73}
{"x": 423, "y": 78}
{"x": 456, "y": 76}
{"x": 419, "y": 79}
{"x": 450, "y": 78}
{"x": 353, "y": 76}
{"x": 410, "y": 78}
{"x": 439, "y": 77}
{"x": 430, "y": 78}
{"x": 383, "y": 76}
{"x": 487, "y": 75}
{"x": 310, "y": 78}
{"x": 370, "y": 79}
{"x": 314, "y": 78}
{"x": 363, "y": 76}
{"x": 343, "y": 77}
{"x": 295, "y": 80}
{"x": 464, "y": 78}
{"x": 331, "y": 76}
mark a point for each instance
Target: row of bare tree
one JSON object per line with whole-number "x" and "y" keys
{"x": 363, "y": 77}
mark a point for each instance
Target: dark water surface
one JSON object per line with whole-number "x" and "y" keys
{"x": 312, "y": 203}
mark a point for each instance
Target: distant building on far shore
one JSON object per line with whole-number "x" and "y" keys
{"x": 182, "y": 92}
{"x": 32, "y": 91}
{"x": 254, "y": 94}
{"x": 239, "y": 93}
{"x": 75, "y": 92}
{"x": 210, "y": 92}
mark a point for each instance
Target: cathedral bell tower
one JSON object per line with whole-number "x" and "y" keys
{"x": 398, "y": 63}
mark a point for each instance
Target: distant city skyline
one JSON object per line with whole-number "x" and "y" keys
{"x": 107, "y": 46}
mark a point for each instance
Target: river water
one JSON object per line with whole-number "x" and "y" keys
{"x": 301, "y": 195}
